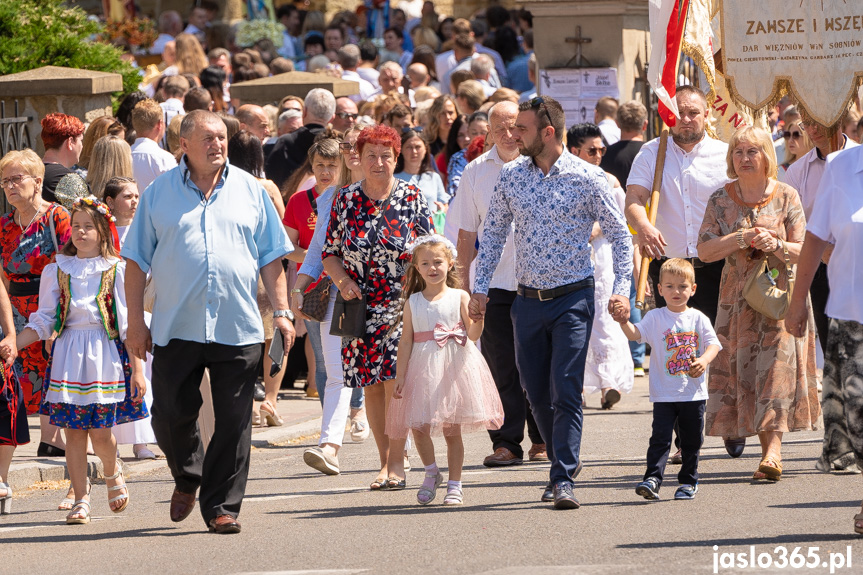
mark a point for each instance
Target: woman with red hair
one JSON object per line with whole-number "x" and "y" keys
{"x": 366, "y": 253}
{"x": 63, "y": 137}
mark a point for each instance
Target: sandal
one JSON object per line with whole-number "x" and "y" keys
{"x": 770, "y": 468}
{"x": 395, "y": 484}
{"x": 426, "y": 495}
{"x": 124, "y": 497}
{"x": 6, "y": 500}
{"x": 858, "y": 523}
{"x": 378, "y": 484}
{"x": 270, "y": 416}
{"x": 454, "y": 496}
{"x": 79, "y": 515}
{"x": 67, "y": 502}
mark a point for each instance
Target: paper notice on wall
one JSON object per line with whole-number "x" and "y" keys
{"x": 578, "y": 90}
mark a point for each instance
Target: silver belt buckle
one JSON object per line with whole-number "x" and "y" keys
{"x": 539, "y": 293}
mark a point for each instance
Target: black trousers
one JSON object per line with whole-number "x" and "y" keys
{"x": 706, "y": 298}
{"x": 820, "y": 292}
{"x": 498, "y": 348}
{"x": 177, "y": 371}
{"x": 690, "y": 416}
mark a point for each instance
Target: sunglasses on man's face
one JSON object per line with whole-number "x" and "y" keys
{"x": 594, "y": 151}
{"x": 792, "y": 135}
{"x": 346, "y": 116}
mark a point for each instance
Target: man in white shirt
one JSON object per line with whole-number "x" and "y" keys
{"x": 289, "y": 17}
{"x": 466, "y": 216}
{"x": 805, "y": 175}
{"x": 369, "y": 60}
{"x": 446, "y": 62}
{"x": 695, "y": 167}
{"x": 174, "y": 89}
{"x": 149, "y": 161}
{"x": 170, "y": 24}
{"x": 198, "y": 19}
{"x": 603, "y": 116}
{"x": 349, "y": 59}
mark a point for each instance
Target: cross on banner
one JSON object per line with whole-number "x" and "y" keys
{"x": 579, "y": 41}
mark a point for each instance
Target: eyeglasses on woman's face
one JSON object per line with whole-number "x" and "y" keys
{"x": 7, "y": 183}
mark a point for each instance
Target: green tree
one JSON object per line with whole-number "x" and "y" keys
{"x": 36, "y": 33}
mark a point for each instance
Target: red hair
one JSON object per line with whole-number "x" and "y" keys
{"x": 382, "y": 136}
{"x": 57, "y": 128}
{"x": 474, "y": 149}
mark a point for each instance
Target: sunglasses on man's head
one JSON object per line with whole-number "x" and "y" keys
{"x": 538, "y": 102}
{"x": 792, "y": 135}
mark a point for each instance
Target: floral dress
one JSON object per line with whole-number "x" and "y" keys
{"x": 24, "y": 256}
{"x": 764, "y": 379}
{"x": 372, "y": 358}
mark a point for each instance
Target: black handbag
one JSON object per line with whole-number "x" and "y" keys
{"x": 349, "y": 316}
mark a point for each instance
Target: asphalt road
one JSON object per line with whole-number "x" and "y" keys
{"x": 298, "y": 521}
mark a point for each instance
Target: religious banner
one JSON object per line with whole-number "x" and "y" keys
{"x": 812, "y": 50}
{"x": 578, "y": 90}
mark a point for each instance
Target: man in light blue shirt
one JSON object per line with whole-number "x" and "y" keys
{"x": 204, "y": 229}
{"x": 554, "y": 199}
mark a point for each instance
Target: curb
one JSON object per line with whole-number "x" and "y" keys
{"x": 26, "y": 474}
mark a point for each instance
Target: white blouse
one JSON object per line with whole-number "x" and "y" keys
{"x": 85, "y": 279}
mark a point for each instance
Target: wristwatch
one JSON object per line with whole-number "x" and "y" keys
{"x": 284, "y": 313}
{"x": 778, "y": 245}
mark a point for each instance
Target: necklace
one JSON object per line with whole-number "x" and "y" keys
{"x": 381, "y": 202}
{"x": 33, "y": 219}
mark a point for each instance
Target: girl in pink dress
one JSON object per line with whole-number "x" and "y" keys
{"x": 443, "y": 384}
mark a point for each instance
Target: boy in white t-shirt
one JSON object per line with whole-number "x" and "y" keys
{"x": 682, "y": 344}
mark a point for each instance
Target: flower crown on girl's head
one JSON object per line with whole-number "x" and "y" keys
{"x": 433, "y": 239}
{"x": 103, "y": 209}
{"x": 94, "y": 202}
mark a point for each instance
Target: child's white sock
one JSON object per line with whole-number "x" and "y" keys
{"x": 450, "y": 485}
{"x": 431, "y": 469}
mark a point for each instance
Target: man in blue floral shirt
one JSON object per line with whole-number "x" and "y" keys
{"x": 554, "y": 198}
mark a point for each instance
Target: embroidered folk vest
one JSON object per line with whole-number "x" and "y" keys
{"x": 104, "y": 302}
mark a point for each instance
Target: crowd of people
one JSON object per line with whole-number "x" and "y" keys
{"x": 167, "y": 255}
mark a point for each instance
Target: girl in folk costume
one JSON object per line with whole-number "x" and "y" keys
{"x": 443, "y": 384}
{"x": 89, "y": 385}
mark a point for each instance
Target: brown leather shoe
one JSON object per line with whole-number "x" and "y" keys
{"x": 182, "y": 505}
{"x": 224, "y": 525}
{"x": 537, "y": 452}
{"x": 501, "y": 458}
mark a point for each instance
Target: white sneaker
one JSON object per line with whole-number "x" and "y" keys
{"x": 359, "y": 430}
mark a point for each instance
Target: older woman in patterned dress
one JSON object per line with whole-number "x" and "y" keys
{"x": 372, "y": 222}
{"x": 29, "y": 237}
{"x": 764, "y": 380}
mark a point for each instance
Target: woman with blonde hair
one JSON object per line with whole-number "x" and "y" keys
{"x": 797, "y": 144}
{"x": 764, "y": 380}
{"x": 98, "y": 129}
{"x": 190, "y": 55}
{"x": 112, "y": 156}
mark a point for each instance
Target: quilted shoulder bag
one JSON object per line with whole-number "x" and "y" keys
{"x": 762, "y": 293}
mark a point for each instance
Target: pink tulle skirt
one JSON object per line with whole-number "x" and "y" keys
{"x": 448, "y": 391}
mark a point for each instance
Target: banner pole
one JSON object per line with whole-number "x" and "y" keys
{"x": 641, "y": 287}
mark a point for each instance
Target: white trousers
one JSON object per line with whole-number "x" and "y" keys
{"x": 337, "y": 396}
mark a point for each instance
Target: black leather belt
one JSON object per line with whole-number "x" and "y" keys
{"x": 549, "y": 294}
{"x": 696, "y": 263}
{"x": 24, "y": 288}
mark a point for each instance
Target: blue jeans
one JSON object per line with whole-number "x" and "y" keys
{"x": 320, "y": 375}
{"x": 551, "y": 340}
{"x": 314, "y": 329}
{"x": 636, "y": 349}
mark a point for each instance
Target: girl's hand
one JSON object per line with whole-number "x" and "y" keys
{"x": 397, "y": 390}
{"x": 139, "y": 387}
{"x": 697, "y": 367}
{"x": 9, "y": 349}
